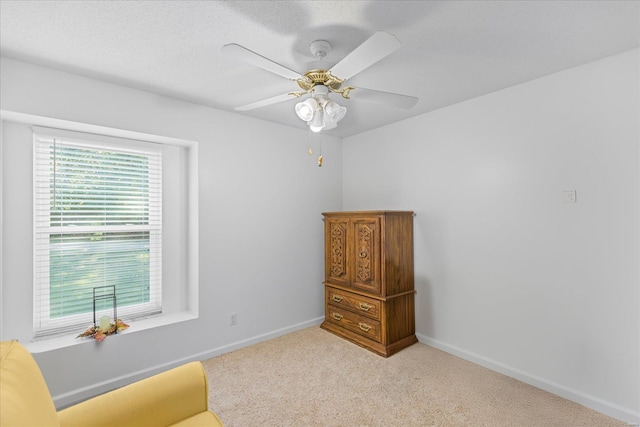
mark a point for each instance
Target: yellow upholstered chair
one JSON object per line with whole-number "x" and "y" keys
{"x": 177, "y": 397}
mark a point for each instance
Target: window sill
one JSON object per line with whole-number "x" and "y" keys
{"x": 42, "y": 345}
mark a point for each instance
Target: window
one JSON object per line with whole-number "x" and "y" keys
{"x": 98, "y": 222}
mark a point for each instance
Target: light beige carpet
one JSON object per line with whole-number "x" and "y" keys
{"x": 313, "y": 378}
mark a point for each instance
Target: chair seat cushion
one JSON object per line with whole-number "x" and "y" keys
{"x": 203, "y": 419}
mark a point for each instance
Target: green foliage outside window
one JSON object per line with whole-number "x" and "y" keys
{"x": 99, "y": 189}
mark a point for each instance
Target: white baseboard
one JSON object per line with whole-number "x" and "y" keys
{"x": 255, "y": 340}
{"x": 78, "y": 395}
{"x": 610, "y": 409}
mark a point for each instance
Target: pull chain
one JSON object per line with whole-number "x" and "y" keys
{"x": 320, "y": 149}
{"x": 319, "y": 145}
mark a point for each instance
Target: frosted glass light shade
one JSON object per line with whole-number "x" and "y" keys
{"x": 306, "y": 108}
{"x": 317, "y": 122}
{"x": 335, "y": 111}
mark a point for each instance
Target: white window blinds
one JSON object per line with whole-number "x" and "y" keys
{"x": 98, "y": 222}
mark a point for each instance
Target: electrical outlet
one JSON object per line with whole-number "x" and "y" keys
{"x": 569, "y": 196}
{"x": 233, "y": 319}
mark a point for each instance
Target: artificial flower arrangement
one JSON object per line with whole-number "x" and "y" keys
{"x": 99, "y": 334}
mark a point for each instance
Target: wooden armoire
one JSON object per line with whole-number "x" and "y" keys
{"x": 369, "y": 282}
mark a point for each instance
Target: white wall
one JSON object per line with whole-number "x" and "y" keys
{"x": 261, "y": 245}
{"x": 507, "y": 274}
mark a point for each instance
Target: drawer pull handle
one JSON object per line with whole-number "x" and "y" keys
{"x": 364, "y": 326}
{"x": 336, "y": 298}
{"x": 364, "y": 306}
{"x": 337, "y": 316}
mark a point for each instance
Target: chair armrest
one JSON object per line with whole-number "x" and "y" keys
{"x": 160, "y": 400}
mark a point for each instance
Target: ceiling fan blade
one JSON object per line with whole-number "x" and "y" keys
{"x": 265, "y": 102}
{"x": 258, "y": 60}
{"x": 379, "y": 97}
{"x": 376, "y": 47}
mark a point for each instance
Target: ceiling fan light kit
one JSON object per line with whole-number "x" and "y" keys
{"x": 318, "y": 111}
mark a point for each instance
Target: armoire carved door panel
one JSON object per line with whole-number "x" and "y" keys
{"x": 337, "y": 260}
{"x": 366, "y": 244}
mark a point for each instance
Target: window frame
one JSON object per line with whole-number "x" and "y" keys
{"x": 180, "y": 293}
{"x": 43, "y": 324}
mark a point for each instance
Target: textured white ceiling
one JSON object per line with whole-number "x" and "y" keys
{"x": 451, "y": 50}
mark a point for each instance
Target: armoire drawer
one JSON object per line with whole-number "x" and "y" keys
{"x": 362, "y": 325}
{"x": 362, "y": 305}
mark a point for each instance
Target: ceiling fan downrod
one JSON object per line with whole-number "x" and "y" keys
{"x": 313, "y": 78}
{"x": 320, "y": 48}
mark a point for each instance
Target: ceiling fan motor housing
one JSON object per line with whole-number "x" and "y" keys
{"x": 313, "y": 78}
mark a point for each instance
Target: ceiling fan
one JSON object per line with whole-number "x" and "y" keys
{"x": 318, "y": 110}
